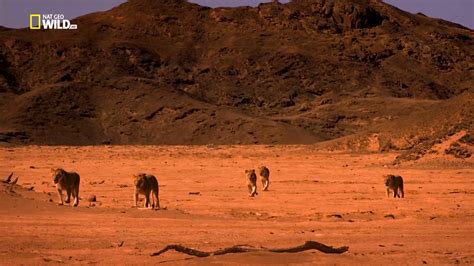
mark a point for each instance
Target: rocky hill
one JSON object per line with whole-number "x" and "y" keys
{"x": 350, "y": 74}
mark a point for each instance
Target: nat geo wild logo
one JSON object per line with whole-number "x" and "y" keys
{"x": 50, "y": 22}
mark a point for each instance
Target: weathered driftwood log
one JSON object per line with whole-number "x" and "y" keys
{"x": 308, "y": 245}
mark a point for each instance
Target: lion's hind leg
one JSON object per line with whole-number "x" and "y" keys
{"x": 76, "y": 196}
{"x": 401, "y": 188}
{"x": 156, "y": 199}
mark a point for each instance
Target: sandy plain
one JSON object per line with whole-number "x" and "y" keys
{"x": 335, "y": 198}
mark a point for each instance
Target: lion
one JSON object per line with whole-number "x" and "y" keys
{"x": 394, "y": 183}
{"x": 252, "y": 182}
{"x": 265, "y": 175}
{"x": 66, "y": 180}
{"x": 145, "y": 185}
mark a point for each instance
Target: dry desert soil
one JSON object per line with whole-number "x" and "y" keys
{"x": 335, "y": 198}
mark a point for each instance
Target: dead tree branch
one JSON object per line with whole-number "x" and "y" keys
{"x": 308, "y": 245}
{"x": 14, "y": 181}
{"x": 8, "y": 179}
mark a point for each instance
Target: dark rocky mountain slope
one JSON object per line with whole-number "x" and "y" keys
{"x": 346, "y": 73}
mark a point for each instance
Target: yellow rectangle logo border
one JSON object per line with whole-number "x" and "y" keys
{"x": 31, "y": 21}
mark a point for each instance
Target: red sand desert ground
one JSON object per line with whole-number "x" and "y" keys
{"x": 334, "y": 198}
